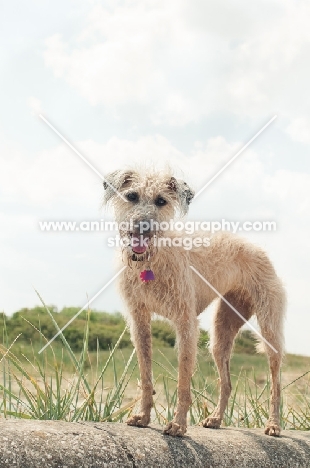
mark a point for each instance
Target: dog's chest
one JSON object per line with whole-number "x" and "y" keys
{"x": 163, "y": 295}
{"x": 156, "y": 290}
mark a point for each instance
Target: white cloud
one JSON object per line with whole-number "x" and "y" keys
{"x": 35, "y": 105}
{"x": 299, "y": 130}
{"x": 118, "y": 65}
{"x": 145, "y": 150}
{"x": 48, "y": 177}
{"x": 58, "y": 175}
{"x": 183, "y": 59}
{"x": 13, "y": 225}
{"x": 291, "y": 189}
{"x": 56, "y": 57}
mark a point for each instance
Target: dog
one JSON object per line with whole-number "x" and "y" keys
{"x": 163, "y": 279}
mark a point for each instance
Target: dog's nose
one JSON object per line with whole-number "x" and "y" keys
{"x": 142, "y": 226}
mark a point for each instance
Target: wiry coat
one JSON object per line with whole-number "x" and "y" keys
{"x": 237, "y": 270}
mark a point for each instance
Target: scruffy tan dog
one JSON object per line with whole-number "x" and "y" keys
{"x": 239, "y": 271}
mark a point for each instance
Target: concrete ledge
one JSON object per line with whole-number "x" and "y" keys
{"x": 37, "y": 444}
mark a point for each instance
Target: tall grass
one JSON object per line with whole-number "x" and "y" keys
{"x": 248, "y": 405}
{"x": 59, "y": 384}
{"x": 44, "y": 391}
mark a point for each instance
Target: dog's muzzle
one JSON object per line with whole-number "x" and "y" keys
{"x": 140, "y": 239}
{"x": 139, "y": 243}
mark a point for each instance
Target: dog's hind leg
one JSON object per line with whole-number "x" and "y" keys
{"x": 187, "y": 337}
{"x": 225, "y": 327}
{"x": 273, "y": 427}
{"x": 140, "y": 328}
{"x": 271, "y": 326}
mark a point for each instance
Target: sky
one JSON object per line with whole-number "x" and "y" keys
{"x": 129, "y": 82}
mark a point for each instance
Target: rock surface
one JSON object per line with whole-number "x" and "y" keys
{"x": 37, "y": 444}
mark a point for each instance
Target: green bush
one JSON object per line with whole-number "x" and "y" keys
{"x": 104, "y": 329}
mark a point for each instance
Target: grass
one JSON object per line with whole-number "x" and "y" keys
{"x": 102, "y": 385}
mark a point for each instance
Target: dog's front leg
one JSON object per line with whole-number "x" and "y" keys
{"x": 187, "y": 336}
{"x": 140, "y": 330}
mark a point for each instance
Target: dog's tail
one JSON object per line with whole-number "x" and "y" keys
{"x": 260, "y": 346}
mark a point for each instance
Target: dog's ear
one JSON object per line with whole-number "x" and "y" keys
{"x": 115, "y": 182}
{"x": 184, "y": 192}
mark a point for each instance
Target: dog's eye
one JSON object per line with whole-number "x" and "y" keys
{"x": 132, "y": 196}
{"x": 160, "y": 201}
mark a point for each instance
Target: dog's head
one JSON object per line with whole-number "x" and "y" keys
{"x": 142, "y": 201}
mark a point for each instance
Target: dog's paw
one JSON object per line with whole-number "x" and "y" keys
{"x": 272, "y": 429}
{"x": 175, "y": 429}
{"x": 212, "y": 423}
{"x": 141, "y": 420}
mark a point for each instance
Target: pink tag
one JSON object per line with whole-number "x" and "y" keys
{"x": 147, "y": 275}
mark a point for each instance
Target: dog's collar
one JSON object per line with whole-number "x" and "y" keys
{"x": 137, "y": 258}
{"x": 146, "y": 275}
